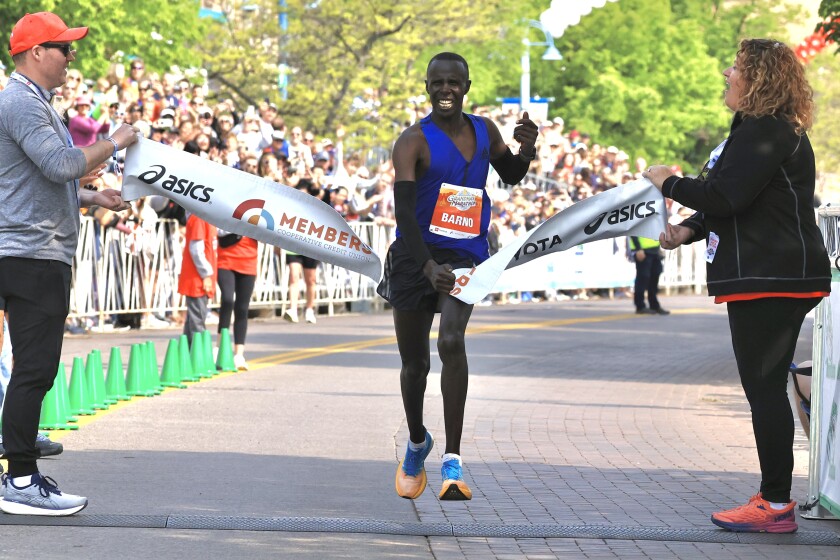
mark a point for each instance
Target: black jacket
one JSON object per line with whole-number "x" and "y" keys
{"x": 759, "y": 200}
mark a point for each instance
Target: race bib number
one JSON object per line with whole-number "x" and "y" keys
{"x": 457, "y": 212}
{"x": 712, "y": 246}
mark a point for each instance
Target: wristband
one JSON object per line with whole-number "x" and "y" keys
{"x": 531, "y": 157}
{"x": 511, "y": 169}
{"x": 116, "y": 147}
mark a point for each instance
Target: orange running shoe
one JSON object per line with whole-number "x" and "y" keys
{"x": 411, "y": 473}
{"x": 757, "y": 516}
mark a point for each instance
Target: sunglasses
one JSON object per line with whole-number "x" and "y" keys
{"x": 65, "y": 48}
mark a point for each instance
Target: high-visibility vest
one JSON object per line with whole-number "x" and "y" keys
{"x": 642, "y": 243}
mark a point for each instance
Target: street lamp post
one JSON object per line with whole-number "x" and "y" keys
{"x": 551, "y": 53}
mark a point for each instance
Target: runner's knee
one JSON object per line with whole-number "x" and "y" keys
{"x": 451, "y": 347}
{"x": 416, "y": 369}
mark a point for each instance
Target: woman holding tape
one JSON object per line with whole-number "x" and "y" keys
{"x": 765, "y": 254}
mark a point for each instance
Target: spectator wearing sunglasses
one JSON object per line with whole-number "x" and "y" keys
{"x": 40, "y": 174}
{"x": 136, "y": 74}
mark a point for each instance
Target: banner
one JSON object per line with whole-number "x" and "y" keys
{"x": 248, "y": 205}
{"x": 829, "y": 399}
{"x": 636, "y": 208}
{"x": 599, "y": 264}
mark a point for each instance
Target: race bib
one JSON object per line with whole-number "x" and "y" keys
{"x": 457, "y": 212}
{"x": 712, "y": 246}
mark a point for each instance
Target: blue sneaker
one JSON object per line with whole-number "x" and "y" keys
{"x": 454, "y": 487}
{"x": 411, "y": 473}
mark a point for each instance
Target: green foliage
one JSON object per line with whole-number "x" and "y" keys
{"x": 640, "y": 74}
{"x": 830, "y": 11}
{"x": 119, "y": 26}
{"x": 723, "y": 23}
{"x": 824, "y": 75}
{"x": 638, "y": 77}
{"x": 645, "y": 75}
{"x": 242, "y": 53}
{"x": 378, "y": 49}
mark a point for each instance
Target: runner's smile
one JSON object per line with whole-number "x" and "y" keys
{"x": 445, "y": 104}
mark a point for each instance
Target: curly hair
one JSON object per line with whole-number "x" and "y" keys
{"x": 775, "y": 83}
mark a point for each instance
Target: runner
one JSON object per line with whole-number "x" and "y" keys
{"x": 443, "y": 212}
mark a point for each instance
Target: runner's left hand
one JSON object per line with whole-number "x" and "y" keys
{"x": 526, "y": 133}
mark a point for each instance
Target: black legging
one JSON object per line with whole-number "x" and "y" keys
{"x": 236, "y": 297}
{"x": 413, "y": 328}
{"x": 764, "y": 334}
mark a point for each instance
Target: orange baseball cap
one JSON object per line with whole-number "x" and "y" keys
{"x": 42, "y": 27}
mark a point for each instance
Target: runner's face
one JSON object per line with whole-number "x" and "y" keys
{"x": 447, "y": 84}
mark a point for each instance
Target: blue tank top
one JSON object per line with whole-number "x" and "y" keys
{"x": 447, "y": 165}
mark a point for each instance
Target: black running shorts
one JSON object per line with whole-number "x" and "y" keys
{"x": 306, "y": 262}
{"x": 405, "y": 286}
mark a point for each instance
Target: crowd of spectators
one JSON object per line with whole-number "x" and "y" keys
{"x": 173, "y": 110}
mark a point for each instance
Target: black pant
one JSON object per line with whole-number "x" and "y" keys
{"x": 236, "y": 291}
{"x": 647, "y": 280}
{"x": 764, "y": 334}
{"x": 37, "y": 298}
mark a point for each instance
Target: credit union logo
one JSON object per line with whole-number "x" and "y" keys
{"x": 253, "y": 212}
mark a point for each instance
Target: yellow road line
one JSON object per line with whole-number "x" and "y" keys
{"x": 314, "y": 352}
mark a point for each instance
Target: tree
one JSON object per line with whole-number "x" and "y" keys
{"x": 824, "y": 75}
{"x": 241, "y": 51}
{"x": 830, "y": 10}
{"x": 638, "y": 77}
{"x": 646, "y": 74}
{"x": 160, "y": 31}
{"x": 366, "y": 59}
{"x": 723, "y": 23}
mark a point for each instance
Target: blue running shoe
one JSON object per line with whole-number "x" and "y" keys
{"x": 411, "y": 473}
{"x": 454, "y": 487}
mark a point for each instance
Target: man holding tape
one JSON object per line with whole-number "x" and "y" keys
{"x": 443, "y": 212}
{"x": 39, "y": 230}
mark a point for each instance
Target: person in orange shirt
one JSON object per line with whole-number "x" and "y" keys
{"x": 197, "y": 280}
{"x": 237, "y": 261}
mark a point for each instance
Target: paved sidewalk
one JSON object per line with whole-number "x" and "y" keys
{"x": 590, "y": 432}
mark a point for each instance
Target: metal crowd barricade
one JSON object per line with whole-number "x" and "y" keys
{"x": 115, "y": 273}
{"x": 684, "y": 267}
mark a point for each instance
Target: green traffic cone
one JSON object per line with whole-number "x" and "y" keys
{"x": 96, "y": 390}
{"x": 115, "y": 383}
{"x": 209, "y": 363}
{"x": 79, "y": 398}
{"x": 149, "y": 376}
{"x": 134, "y": 380}
{"x": 197, "y": 356}
{"x": 171, "y": 374}
{"x": 53, "y": 416}
{"x": 224, "y": 361}
{"x": 184, "y": 360}
{"x": 100, "y": 377}
{"x": 64, "y": 393}
{"x": 152, "y": 370}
